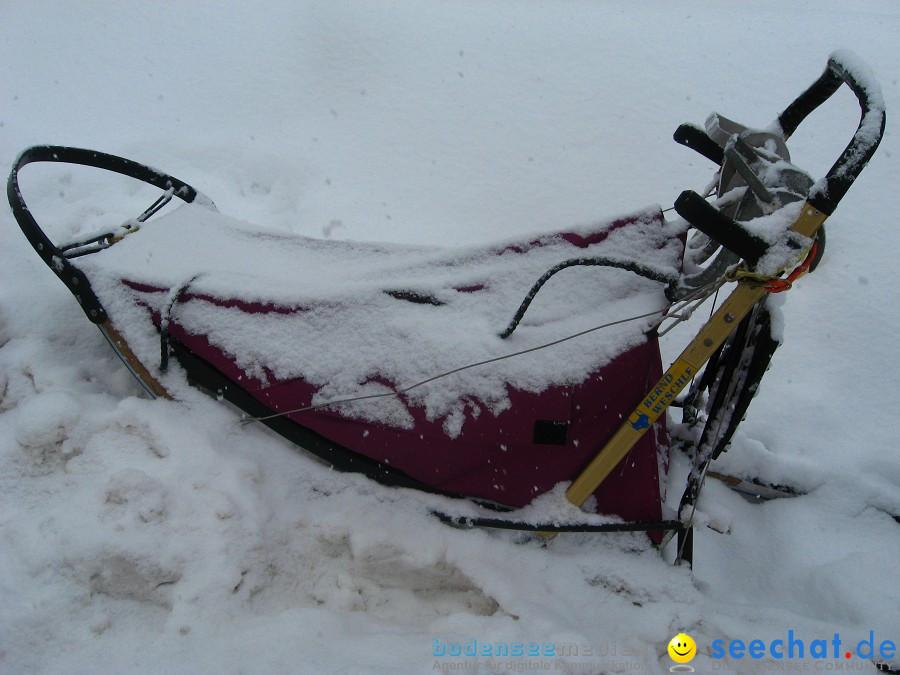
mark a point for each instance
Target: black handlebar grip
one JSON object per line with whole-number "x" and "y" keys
{"x": 819, "y": 92}
{"x": 842, "y": 68}
{"x": 716, "y": 225}
{"x": 695, "y": 138}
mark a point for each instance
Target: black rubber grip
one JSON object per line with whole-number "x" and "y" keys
{"x": 716, "y": 225}
{"x": 695, "y": 138}
{"x": 827, "y": 193}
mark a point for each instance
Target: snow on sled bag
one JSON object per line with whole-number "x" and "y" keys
{"x": 480, "y": 371}
{"x": 294, "y": 322}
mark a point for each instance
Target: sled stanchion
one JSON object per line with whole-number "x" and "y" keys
{"x": 685, "y": 546}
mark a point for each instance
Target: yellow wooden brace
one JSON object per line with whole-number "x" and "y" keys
{"x": 133, "y": 363}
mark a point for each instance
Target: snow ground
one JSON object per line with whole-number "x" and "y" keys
{"x": 144, "y": 535}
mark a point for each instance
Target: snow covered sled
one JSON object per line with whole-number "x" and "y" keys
{"x": 492, "y": 373}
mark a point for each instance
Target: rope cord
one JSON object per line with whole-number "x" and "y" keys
{"x": 773, "y": 283}
{"x": 629, "y": 265}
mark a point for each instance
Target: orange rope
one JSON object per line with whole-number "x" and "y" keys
{"x": 781, "y": 285}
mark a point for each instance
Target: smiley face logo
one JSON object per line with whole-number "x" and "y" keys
{"x": 682, "y": 648}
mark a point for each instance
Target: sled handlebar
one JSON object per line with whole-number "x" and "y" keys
{"x": 50, "y": 253}
{"x": 695, "y": 138}
{"x": 843, "y": 68}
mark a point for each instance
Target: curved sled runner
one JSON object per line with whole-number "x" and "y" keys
{"x": 476, "y": 372}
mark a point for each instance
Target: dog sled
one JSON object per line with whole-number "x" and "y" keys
{"x": 492, "y": 373}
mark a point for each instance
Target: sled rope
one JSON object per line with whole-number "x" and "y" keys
{"x": 629, "y": 265}
{"x": 398, "y": 392}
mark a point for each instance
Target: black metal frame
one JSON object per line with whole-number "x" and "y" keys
{"x": 55, "y": 257}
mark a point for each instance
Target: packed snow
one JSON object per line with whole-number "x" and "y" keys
{"x": 141, "y": 535}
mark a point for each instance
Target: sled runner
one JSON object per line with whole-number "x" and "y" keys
{"x": 491, "y": 373}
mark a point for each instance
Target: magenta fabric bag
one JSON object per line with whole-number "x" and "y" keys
{"x": 295, "y": 322}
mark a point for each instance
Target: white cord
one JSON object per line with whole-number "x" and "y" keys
{"x": 398, "y": 392}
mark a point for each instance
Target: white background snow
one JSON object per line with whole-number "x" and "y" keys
{"x": 140, "y": 535}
